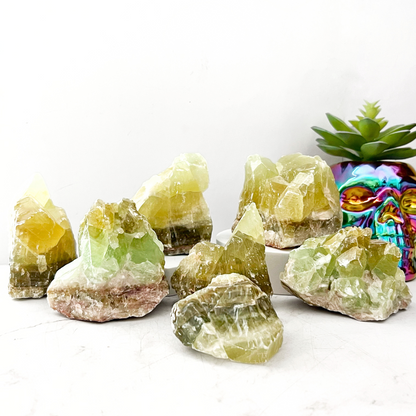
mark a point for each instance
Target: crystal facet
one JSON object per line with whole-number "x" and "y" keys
{"x": 244, "y": 254}
{"x": 174, "y": 205}
{"x": 347, "y": 272}
{"x": 42, "y": 242}
{"x": 231, "y": 318}
{"x": 120, "y": 271}
{"x": 297, "y": 198}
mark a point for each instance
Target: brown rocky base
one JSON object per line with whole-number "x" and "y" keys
{"x": 28, "y": 282}
{"x": 287, "y": 234}
{"x": 180, "y": 239}
{"x": 101, "y": 304}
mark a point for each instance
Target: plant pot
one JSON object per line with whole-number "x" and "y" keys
{"x": 382, "y": 196}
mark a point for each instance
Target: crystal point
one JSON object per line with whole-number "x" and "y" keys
{"x": 174, "y": 204}
{"x": 347, "y": 272}
{"x": 244, "y": 253}
{"x": 231, "y": 318}
{"x": 42, "y": 242}
{"x": 120, "y": 271}
{"x": 297, "y": 198}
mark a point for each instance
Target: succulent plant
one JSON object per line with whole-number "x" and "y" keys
{"x": 365, "y": 138}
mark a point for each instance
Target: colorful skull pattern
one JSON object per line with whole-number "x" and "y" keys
{"x": 381, "y": 196}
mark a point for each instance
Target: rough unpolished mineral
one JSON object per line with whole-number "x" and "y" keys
{"x": 350, "y": 273}
{"x": 231, "y": 318}
{"x": 174, "y": 204}
{"x": 120, "y": 271}
{"x": 297, "y": 198}
{"x": 244, "y": 253}
{"x": 42, "y": 242}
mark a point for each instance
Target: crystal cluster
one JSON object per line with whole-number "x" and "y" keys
{"x": 120, "y": 271}
{"x": 174, "y": 204}
{"x": 42, "y": 242}
{"x": 297, "y": 198}
{"x": 231, "y": 318}
{"x": 347, "y": 272}
{"x": 244, "y": 254}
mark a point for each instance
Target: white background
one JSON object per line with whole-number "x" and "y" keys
{"x": 98, "y": 96}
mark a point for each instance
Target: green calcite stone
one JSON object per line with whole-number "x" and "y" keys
{"x": 174, "y": 204}
{"x": 244, "y": 253}
{"x": 231, "y": 318}
{"x": 350, "y": 273}
{"x": 120, "y": 271}
{"x": 42, "y": 242}
{"x": 297, "y": 198}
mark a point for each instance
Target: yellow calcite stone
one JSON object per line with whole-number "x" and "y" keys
{"x": 42, "y": 242}
{"x": 297, "y": 198}
{"x": 244, "y": 253}
{"x": 174, "y": 204}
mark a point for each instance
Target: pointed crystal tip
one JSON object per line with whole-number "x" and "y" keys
{"x": 38, "y": 190}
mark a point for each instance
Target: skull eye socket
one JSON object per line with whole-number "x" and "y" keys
{"x": 408, "y": 201}
{"x": 358, "y": 198}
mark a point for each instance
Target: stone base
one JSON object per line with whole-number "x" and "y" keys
{"x": 288, "y": 234}
{"x": 180, "y": 239}
{"x": 101, "y": 305}
{"x": 24, "y": 292}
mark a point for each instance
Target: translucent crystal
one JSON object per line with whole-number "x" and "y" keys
{"x": 120, "y": 271}
{"x": 174, "y": 205}
{"x": 244, "y": 253}
{"x": 231, "y": 318}
{"x": 42, "y": 242}
{"x": 297, "y": 198}
{"x": 348, "y": 272}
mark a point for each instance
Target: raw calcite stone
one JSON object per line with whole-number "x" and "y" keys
{"x": 231, "y": 318}
{"x": 174, "y": 205}
{"x": 244, "y": 253}
{"x": 120, "y": 271}
{"x": 348, "y": 272}
{"x": 297, "y": 198}
{"x": 42, "y": 242}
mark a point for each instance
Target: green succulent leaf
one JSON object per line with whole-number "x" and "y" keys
{"x": 354, "y": 123}
{"x": 372, "y": 150}
{"x": 382, "y": 124}
{"x": 329, "y": 137}
{"x": 352, "y": 140}
{"x": 402, "y": 153}
{"x": 394, "y": 138}
{"x": 338, "y": 151}
{"x": 392, "y": 129}
{"x": 371, "y": 109}
{"x": 369, "y": 128}
{"x": 338, "y": 124}
{"x": 409, "y": 126}
{"x": 407, "y": 139}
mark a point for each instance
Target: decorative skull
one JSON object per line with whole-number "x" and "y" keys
{"x": 381, "y": 196}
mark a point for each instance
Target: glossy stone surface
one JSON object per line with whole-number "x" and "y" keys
{"x": 381, "y": 196}
{"x": 174, "y": 204}
{"x": 244, "y": 254}
{"x": 231, "y": 318}
{"x": 350, "y": 273}
{"x": 296, "y": 197}
{"x": 42, "y": 242}
{"x": 120, "y": 269}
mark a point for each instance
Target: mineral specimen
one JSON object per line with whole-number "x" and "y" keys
{"x": 174, "y": 205}
{"x": 297, "y": 198}
{"x": 244, "y": 254}
{"x": 230, "y": 318}
{"x": 120, "y": 269}
{"x": 42, "y": 242}
{"x": 347, "y": 272}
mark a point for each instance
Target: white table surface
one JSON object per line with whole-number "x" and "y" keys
{"x": 328, "y": 365}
